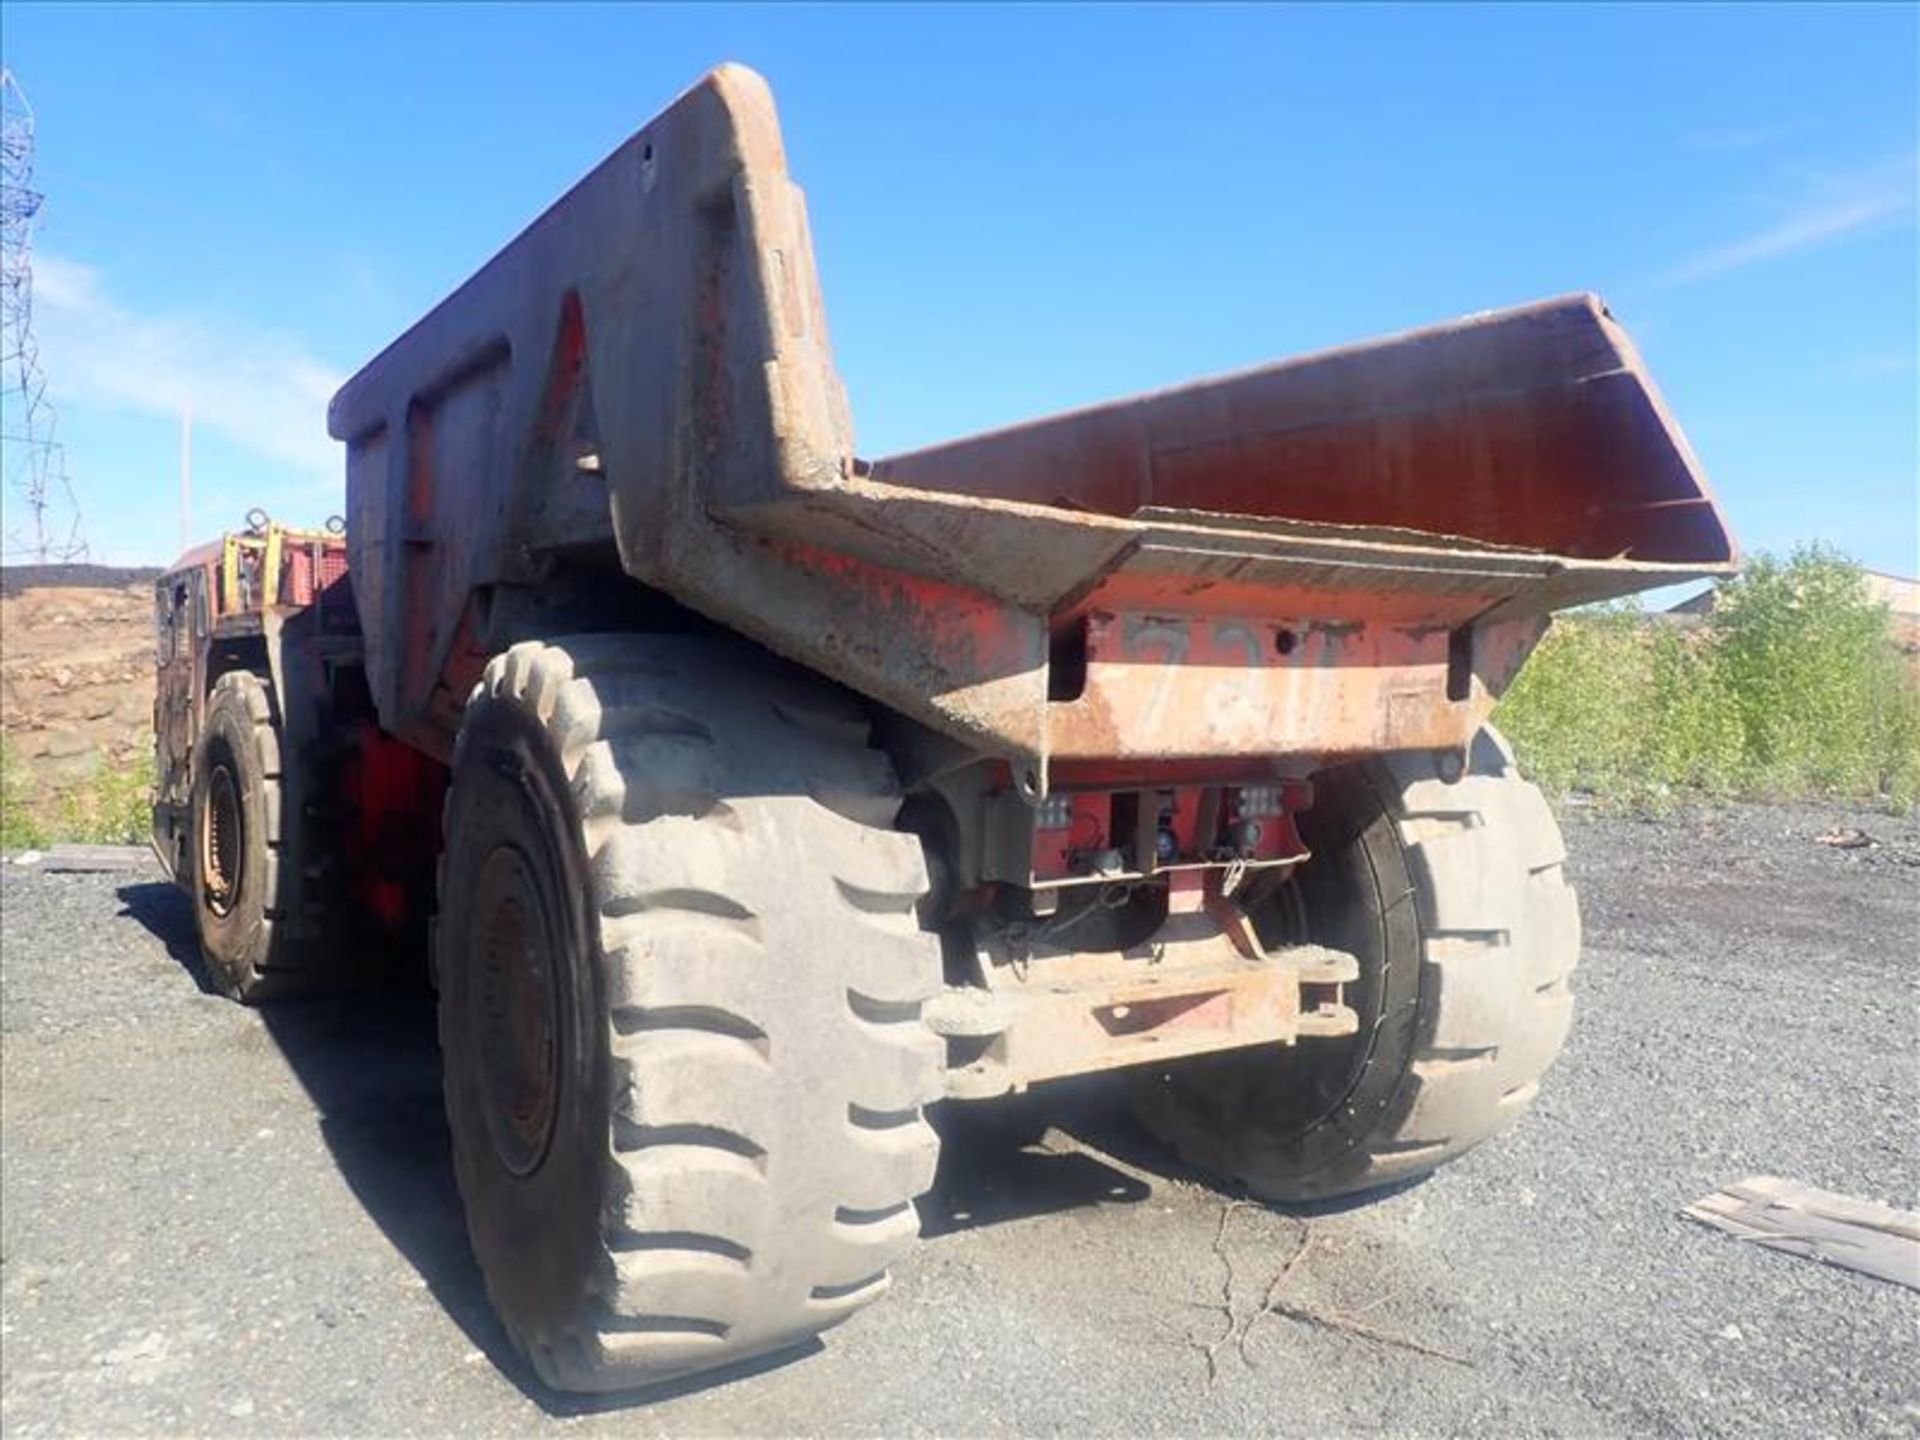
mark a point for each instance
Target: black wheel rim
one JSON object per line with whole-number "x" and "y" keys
{"x": 223, "y": 840}
{"x": 516, "y": 999}
{"x": 1323, "y": 1070}
{"x": 1338, "y": 899}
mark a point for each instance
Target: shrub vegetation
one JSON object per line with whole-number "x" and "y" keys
{"x": 108, "y": 807}
{"x": 1794, "y": 686}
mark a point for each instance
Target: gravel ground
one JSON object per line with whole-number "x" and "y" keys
{"x": 216, "y": 1221}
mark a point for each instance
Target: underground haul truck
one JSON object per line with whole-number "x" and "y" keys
{"x": 756, "y": 796}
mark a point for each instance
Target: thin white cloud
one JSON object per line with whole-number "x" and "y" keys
{"x": 1877, "y": 364}
{"x": 1854, "y": 206}
{"x": 1738, "y": 137}
{"x": 262, "y": 392}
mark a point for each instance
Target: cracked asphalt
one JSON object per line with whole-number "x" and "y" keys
{"x": 224, "y": 1222}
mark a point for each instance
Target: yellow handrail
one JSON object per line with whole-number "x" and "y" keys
{"x": 271, "y": 542}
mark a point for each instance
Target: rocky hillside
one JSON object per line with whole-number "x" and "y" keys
{"x": 76, "y": 674}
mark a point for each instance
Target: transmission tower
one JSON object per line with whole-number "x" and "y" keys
{"x": 47, "y": 528}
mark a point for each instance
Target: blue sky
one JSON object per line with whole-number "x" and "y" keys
{"x": 1016, "y": 210}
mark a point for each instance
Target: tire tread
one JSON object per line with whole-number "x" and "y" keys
{"x": 716, "y": 792}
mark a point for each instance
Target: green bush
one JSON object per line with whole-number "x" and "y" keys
{"x": 1793, "y": 687}
{"x": 109, "y": 807}
{"x": 21, "y": 828}
{"x": 1577, "y": 714}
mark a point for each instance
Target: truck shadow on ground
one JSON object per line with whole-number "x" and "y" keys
{"x": 370, "y": 1063}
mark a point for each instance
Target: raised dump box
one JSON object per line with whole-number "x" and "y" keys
{"x": 648, "y": 364}
{"x": 787, "y": 793}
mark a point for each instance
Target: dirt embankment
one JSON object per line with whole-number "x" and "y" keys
{"x": 76, "y": 676}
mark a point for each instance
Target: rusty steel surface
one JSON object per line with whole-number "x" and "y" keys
{"x": 1193, "y": 989}
{"x": 181, "y": 626}
{"x": 1535, "y": 428}
{"x": 243, "y": 587}
{"x": 1156, "y": 681}
{"x": 662, "y": 322}
{"x": 1151, "y": 1017}
{"x": 1047, "y": 999}
{"x": 647, "y": 367}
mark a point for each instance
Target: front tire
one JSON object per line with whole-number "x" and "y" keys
{"x": 1454, "y": 898}
{"x": 238, "y": 868}
{"x": 680, "y": 986}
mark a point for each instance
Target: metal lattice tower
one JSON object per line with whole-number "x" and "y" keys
{"x": 46, "y": 526}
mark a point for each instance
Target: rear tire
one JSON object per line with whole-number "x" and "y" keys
{"x": 1454, "y": 897}
{"x": 680, "y": 988}
{"x": 239, "y": 871}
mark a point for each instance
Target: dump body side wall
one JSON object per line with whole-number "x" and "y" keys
{"x": 660, "y": 321}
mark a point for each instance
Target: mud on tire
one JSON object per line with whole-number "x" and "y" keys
{"x": 680, "y": 988}
{"x": 1454, "y": 897}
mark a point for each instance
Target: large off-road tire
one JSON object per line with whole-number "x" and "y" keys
{"x": 1453, "y": 897}
{"x": 680, "y": 987}
{"x": 241, "y": 869}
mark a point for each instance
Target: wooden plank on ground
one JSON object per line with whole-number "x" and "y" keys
{"x": 83, "y": 858}
{"x": 1840, "y": 1230}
